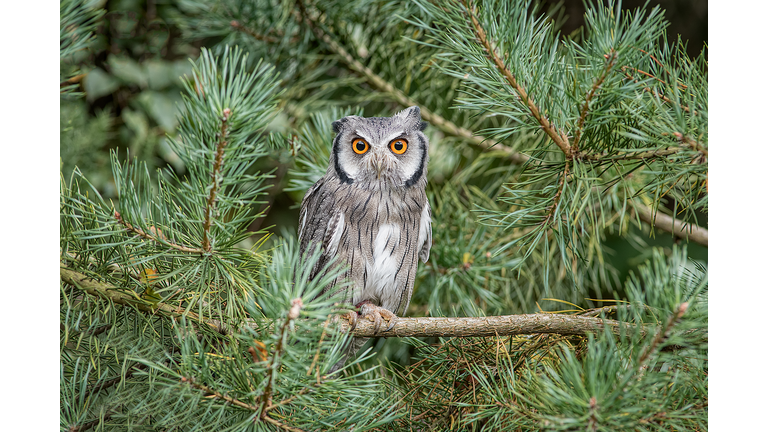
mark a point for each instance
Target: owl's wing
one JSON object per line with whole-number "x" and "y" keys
{"x": 320, "y": 223}
{"x": 425, "y": 233}
{"x": 310, "y": 201}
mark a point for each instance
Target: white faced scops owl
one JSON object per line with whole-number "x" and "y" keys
{"x": 371, "y": 211}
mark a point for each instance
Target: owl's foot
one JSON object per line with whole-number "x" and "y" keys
{"x": 377, "y": 314}
{"x": 352, "y": 318}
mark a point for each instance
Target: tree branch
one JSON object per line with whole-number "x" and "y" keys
{"x": 236, "y": 402}
{"x": 382, "y": 85}
{"x": 588, "y": 98}
{"x": 663, "y": 333}
{"x": 214, "y": 187}
{"x": 405, "y": 327}
{"x": 155, "y": 235}
{"x": 507, "y": 325}
{"x": 282, "y": 425}
{"x": 117, "y": 380}
{"x": 693, "y": 144}
{"x": 669, "y": 224}
{"x": 558, "y": 137}
{"x": 264, "y": 38}
{"x": 74, "y": 80}
{"x": 650, "y": 90}
{"x": 127, "y": 297}
{"x": 556, "y": 201}
{"x": 211, "y": 392}
{"x": 90, "y": 425}
{"x": 630, "y": 156}
{"x": 274, "y": 362}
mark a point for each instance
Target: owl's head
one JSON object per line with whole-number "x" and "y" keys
{"x": 381, "y": 152}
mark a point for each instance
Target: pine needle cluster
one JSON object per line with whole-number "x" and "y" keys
{"x": 546, "y": 152}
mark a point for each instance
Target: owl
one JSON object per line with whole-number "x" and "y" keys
{"x": 370, "y": 211}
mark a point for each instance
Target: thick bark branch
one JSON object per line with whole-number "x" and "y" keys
{"x": 127, "y": 297}
{"x": 506, "y": 325}
{"x": 669, "y": 224}
{"x": 405, "y": 327}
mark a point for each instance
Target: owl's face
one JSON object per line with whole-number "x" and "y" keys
{"x": 378, "y": 153}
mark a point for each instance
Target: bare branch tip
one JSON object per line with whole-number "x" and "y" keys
{"x": 296, "y": 305}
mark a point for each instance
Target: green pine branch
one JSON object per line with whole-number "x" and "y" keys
{"x": 173, "y": 316}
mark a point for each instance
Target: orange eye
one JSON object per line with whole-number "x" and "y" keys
{"x": 398, "y": 146}
{"x": 359, "y": 146}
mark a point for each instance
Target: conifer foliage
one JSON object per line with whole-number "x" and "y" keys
{"x": 555, "y": 160}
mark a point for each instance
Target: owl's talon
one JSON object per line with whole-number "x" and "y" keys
{"x": 352, "y": 318}
{"x": 376, "y": 314}
{"x": 392, "y": 323}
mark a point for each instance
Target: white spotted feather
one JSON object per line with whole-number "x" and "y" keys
{"x": 381, "y": 268}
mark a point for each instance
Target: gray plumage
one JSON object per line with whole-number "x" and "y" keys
{"x": 371, "y": 211}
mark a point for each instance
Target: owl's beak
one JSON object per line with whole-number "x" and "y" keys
{"x": 379, "y": 166}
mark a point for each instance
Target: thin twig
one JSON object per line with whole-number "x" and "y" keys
{"x": 269, "y": 39}
{"x": 274, "y": 363}
{"x": 211, "y": 392}
{"x": 669, "y": 224}
{"x": 560, "y": 139}
{"x": 282, "y": 425}
{"x": 87, "y": 426}
{"x": 317, "y": 353}
{"x": 642, "y": 72}
{"x": 592, "y": 421}
{"x": 558, "y": 196}
{"x": 156, "y": 236}
{"x": 109, "y": 383}
{"x": 98, "y": 330}
{"x": 662, "y": 334}
{"x": 290, "y": 399}
{"x": 650, "y": 90}
{"x": 74, "y": 80}
{"x": 236, "y": 402}
{"x": 382, "y": 85}
{"x": 658, "y": 62}
{"x": 588, "y": 98}
{"x": 597, "y": 311}
{"x": 210, "y": 206}
{"x": 692, "y": 144}
{"x": 651, "y": 154}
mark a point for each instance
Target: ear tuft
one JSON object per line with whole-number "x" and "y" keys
{"x": 337, "y": 125}
{"x": 410, "y": 115}
{"x": 423, "y": 126}
{"x": 413, "y": 112}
